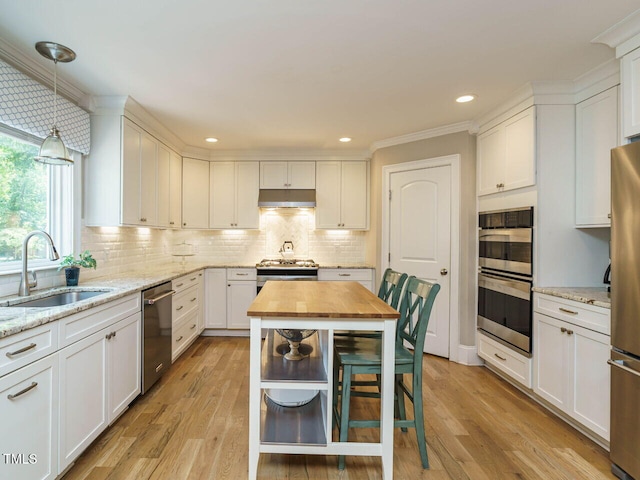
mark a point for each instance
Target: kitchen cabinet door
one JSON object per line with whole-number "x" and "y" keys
{"x": 169, "y": 187}
{"x": 572, "y": 371}
{"x": 596, "y": 135}
{"x": 215, "y": 298}
{"x": 506, "y": 154}
{"x": 281, "y": 175}
{"x": 124, "y": 359}
{"x": 139, "y": 181}
{"x": 246, "y": 199}
{"x": 222, "y": 195}
{"x": 240, "y": 294}
{"x": 234, "y": 188}
{"x": 195, "y": 193}
{"x": 83, "y": 395}
{"x": 342, "y": 195}
{"x": 29, "y": 417}
{"x": 630, "y": 76}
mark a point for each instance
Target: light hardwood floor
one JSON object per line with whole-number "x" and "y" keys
{"x": 193, "y": 425}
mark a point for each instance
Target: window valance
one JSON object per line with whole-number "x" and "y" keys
{"x": 27, "y": 105}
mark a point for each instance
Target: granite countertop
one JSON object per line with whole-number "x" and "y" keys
{"x": 355, "y": 266}
{"x": 17, "y": 319}
{"x": 598, "y": 296}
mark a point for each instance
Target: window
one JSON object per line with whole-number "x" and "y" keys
{"x": 33, "y": 196}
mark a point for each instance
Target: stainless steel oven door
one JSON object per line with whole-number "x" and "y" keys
{"x": 508, "y": 250}
{"x": 306, "y": 276}
{"x": 504, "y": 309}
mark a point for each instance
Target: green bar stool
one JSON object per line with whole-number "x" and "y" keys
{"x": 389, "y": 291}
{"x": 363, "y": 356}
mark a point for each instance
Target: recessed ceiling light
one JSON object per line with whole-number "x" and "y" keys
{"x": 345, "y": 139}
{"x": 466, "y": 98}
{"x": 211, "y": 140}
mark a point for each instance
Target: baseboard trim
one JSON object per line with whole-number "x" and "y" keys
{"x": 468, "y": 355}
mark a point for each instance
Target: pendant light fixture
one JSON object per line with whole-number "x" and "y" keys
{"x": 53, "y": 151}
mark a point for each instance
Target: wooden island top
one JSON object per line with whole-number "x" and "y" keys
{"x": 305, "y": 299}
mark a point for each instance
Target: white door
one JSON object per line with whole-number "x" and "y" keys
{"x": 420, "y": 239}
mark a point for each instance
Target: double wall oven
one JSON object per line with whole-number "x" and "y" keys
{"x": 505, "y": 277}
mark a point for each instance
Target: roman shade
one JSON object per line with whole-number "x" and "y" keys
{"x": 27, "y": 106}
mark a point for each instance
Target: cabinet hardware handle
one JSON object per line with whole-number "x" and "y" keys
{"x": 179, "y": 285}
{"x": 501, "y": 358}
{"x": 565, "y": 310}
{"x": 194, "y": 299}
{"x": 193, "y": 326}
{"x": 344, "y": 274}
{"x": 171, "y": 223}
{"x": 23, "y": 391}
{"x": 143, "y": 219}
{"x": 184, "y": 224}
{"x": 569, "y": 332}
{"x": 179, "y": 308}
{"x": 242, "y": 274}
{"x": 179, "y": 338}
{"x": 108, "y": 336}
{"x": 620, "y": 364}
{"x": 22, "y": 350}
{"x": 562, "y": 329}
{"x": 609, "y": 215}
{"x": 192, "y": 279}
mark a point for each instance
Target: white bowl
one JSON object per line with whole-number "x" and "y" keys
{"x": 290, "y": 398}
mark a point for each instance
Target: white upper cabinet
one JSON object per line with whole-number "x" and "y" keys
{"x": 506, "y": 154}
{"x": 169, "y": 188}
{"x": 596, "y": 135}
{"x": 127, "y": 176}
{"x": 342, "y": 195}
{"x": 281, "y": 175}
{"x": 630, "y": 75}
{"x": 234, "y": 188}
{"x": 195, "y": 193}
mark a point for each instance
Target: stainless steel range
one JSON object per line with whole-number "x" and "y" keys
{"x": 286, "y": 269}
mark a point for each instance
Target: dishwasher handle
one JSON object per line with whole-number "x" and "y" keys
{"x": 151, "y": 301}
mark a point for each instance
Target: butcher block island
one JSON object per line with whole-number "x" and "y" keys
{"x": 290, "y": 404}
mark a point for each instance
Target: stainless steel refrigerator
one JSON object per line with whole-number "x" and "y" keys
{"x": 625, "y": 311}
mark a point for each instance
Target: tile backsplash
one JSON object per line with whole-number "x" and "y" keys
{"x": 122, "y": 249}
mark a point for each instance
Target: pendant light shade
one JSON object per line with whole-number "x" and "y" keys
{"x": 53, "y": 151}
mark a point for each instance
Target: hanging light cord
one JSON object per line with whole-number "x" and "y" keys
{"x": 55, "y": 92}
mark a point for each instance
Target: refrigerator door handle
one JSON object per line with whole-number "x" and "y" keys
{"x": 620, "y": 364}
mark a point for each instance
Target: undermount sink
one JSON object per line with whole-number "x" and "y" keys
{"x": 60, "y": 299}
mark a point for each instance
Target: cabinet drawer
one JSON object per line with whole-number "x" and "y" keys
{"x": 80, "y": 325}
{"x": 344, "y": 274}
{"x": 25, "y": 347}
{"x": 241, "y": 274}
{"x": 517, "y": 367}
{"x": 577, "y": 313}
{"x": 183, "y": 334}
{"x": 184, "y": 302}
{"x": 186, "y": 281}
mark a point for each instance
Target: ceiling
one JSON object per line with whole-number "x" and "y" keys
{"x": 283, "y": 75}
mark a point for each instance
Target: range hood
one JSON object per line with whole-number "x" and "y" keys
{"x": 287, "y": 198}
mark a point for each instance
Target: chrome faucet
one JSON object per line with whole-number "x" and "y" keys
{"x": 25, "y": 284}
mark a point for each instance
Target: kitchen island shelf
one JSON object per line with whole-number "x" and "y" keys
{"x": 302, "y": 425}
{"x": 276, "y": 368}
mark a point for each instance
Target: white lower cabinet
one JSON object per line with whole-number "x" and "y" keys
{"x": 215, "y": 298}
{"x": 570, "y": 369}
{"x": 188, "y": 312}
{"x": 99, "y": 377}
{"x": 83, "y": 395}
{"x": 241, "y": 291}
{"x": 29, "y": 419}
{"x": 512, "y": 364}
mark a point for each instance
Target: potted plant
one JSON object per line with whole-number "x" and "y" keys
{"x": 72, "y": 265}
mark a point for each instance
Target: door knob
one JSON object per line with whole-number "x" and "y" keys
{"x": 444, "y": 271}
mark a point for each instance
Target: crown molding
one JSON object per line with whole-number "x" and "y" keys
{"x": 597, "y": 80}
{"x": 422, "y": 135}
{"x": 288, "y": 155}
{"x": 624, "y": 36}
{"x": 42, "y": 74}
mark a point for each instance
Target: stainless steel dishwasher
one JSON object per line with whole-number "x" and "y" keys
{"x": 156, "y": 333}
